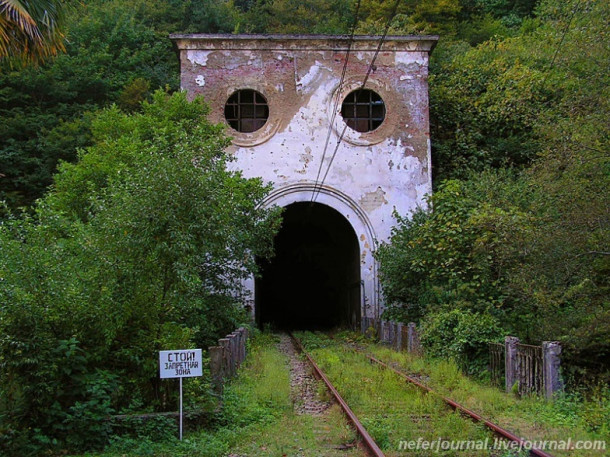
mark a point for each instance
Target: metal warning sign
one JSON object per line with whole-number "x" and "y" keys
{"x": 181, "y": 363}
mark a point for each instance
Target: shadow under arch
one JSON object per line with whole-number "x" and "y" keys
{"x": 324, "y": 273}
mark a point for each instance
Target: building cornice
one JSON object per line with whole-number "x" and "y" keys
{"x": 396, "y": 43}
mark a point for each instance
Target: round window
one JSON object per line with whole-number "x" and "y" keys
{"x": 363, "y": 110}
{"x": 246, "y": 110}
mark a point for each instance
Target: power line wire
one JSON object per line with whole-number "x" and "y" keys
{"x": 318, "y": 188}
{"x": 336, "y": 104}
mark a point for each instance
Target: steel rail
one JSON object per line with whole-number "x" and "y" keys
{"x": 496, "y": 428}
{"x": 366, "y": 438}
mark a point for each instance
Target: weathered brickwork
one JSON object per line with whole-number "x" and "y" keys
{"x": 374, "y": 173}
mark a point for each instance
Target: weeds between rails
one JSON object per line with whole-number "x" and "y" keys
{"x": 499, "y": 431}
{"x": 532, "y": 417}
{"x": 367, "y": 440}
{"x": 390, "y": 410}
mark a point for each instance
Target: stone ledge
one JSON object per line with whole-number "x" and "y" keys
{"x": 397, "y": 43}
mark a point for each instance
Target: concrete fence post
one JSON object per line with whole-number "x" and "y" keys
{"x": 385, "y": 331}
{"x": 216, "y": 372}
{"x": 242, "y": 347}
{"x": 233, "y": 338}
{"x": 227, "y": 357}
{"x": 234, "y": 351}
{"x": 225, "y": 343}
{"x": 371, "y": 331}
{"x": 404, "y": 337}
{"x": 399, "y": 330}
{"x": 237, "y": 349}
{"x": 230, "y": 359}
{"x": 391, "y": 333}
{"x": 511, "y": 369}
{"x": 551, "y": 378}
{"x": 411, "y": 337}
{"x": 246, "y": 336}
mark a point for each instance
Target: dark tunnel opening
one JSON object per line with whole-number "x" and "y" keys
{"x": 313, "y": 282}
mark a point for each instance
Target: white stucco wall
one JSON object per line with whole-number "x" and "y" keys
{"x": 373, "y": 174}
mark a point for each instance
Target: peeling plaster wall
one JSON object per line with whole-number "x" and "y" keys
{"x": 373, "y": 173}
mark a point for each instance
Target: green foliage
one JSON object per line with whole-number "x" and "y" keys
{"x": 446, "y": 255}
{"x": 364, "y": 386}
{"x": 44, "y": 110}
{"x": 419, "y": 17}
{"x": 141, "y": 246}
{"x": 31, "y": 31}
{"x": 529, "y": 248}
{"x": 576, "y": 414}
{"x": 492, "y": 245}
{"x": 510, "y": 12}
{"x": 294, "y": 16}
{"x": 314, "y": 340}
{"x": 495, "y": 104}
{"x": 486, "y": 103}
{"x": 136, "y": 249}
{"x": 118, "y": 52}
{"x": 461, "y": 335}
{"x": 134, "y": 94}
{"x": 115, "y": 52}
{"x": 159, "y": 428}
{"x": 257, "y": 417}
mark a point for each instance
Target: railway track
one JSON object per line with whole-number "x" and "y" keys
{"x": 371, "y": 447}
{"x": 501, "y": 432}
{"x": 369, "y": 443}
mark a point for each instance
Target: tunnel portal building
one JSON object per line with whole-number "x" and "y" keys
{"x": 286, "y": 106}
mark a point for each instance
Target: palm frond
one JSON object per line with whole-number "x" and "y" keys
{"x": 30, "y": 30}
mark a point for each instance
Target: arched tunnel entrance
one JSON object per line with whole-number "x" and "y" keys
{"x": 313, "y": 282}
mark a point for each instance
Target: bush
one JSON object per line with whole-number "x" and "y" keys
{"x": 447, "y": 255}
{"x": 141, "y": 246}
{"x": 529, "y": 249}
{"x": 460, "y": 335}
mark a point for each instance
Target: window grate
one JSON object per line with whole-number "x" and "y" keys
{"x": 246, "y": 110}
{"x": 363, "y": 110}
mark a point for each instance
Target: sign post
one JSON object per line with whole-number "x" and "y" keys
{"x": 180, "y": 363}
{"x": 180, "y": 409}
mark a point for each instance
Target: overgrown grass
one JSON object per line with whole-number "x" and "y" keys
{"x": 391, "y": 410}
{"x": 257, "y": 416}
{"x": 256, "y": 419}
{"x": 534, "y": 418}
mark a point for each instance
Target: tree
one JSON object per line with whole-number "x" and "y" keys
{"x": 116, "y": 52}
{"x": 31, "y": 31}
{"x": 45, "y": 110}
{"x": 294, "y": 16}
{"x": 140, "y": 246}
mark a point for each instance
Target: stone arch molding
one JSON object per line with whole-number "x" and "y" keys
{"x": 358, "y": 219}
